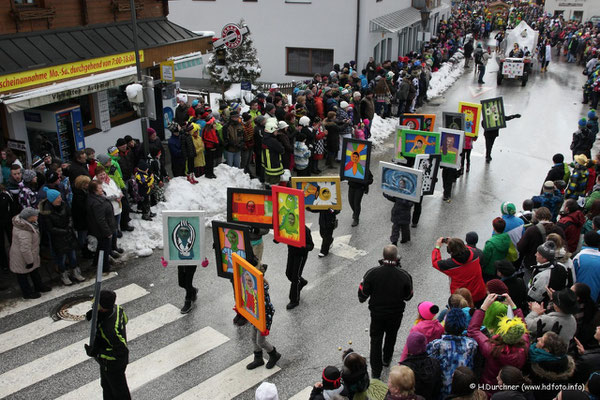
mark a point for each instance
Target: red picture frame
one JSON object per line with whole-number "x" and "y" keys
{"x": 289, "y": 216}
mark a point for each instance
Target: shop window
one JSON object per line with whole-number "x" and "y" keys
{"x": 26, "y": 2}
{"x": 121, "y": 110}
{"x": 307, "y": 62}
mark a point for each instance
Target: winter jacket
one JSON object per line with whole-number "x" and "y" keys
{"x": 563, "y": 324}
{"x": 127, "y": 163}
{"x": 431, "y": 328}
{"x": 209, "y": 135}
{"x": 177, "y": 156}
{"x": 557, "y": 372}
{"x": 199, "y": 160}
{"x": 571, "y": 224}
{"x": 57, "y": 222}
{"x": 551, "y": 274}
{"x": 114, "y": 194}
{"x": 342, "y": 116}
{"x": 401, "y": 210}
{"x": 514, "y": 227}
{"x": 533, "y": 237}
{"x": 78, "y": 210}
{"x": 25, "y": 248}
{"x": 145, "y": 182}
{"x": 8, "y": 208}
{"x": 556, "y": 173}
{"x": 595, "y": 195}
{"x": 587, "y": 269}
{"x": 495, "y": 249}
{"x": 402, "y": 92}
{"x": 508, "y": 355}
{"x": 272, "y": 151}
{"x": 367, "y": 108}
{"x": 234, "y": 137}
{"x": 27, "y": 197}
{"x": 583, "y": 141}
{"x": 334, "y": 130}
{"x": 110, "y": 347}
{"x": 428, "y": 374}
{"x": 388, "y": 286}
{"x": 552, "y": 201}
{"x": 464, "y": 271}
{"x": 76, "y": 169}
{"x": 181, "y": 114}
{"x": 586, "y": 364}
{"x": 248, "y": 134}
{"x": 318, "y": 393}
{"x": 517, "y": 290}
{"x": 451, "y": 352}
{"x": 101, "y": 221}
{"x": 301, "y": 155}
{"x": 156, "y": 146}
{"x": 577, "y": 183}
{"x": 188, "y": 150}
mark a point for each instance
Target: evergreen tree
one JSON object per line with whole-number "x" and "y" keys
{"x": 241, "y": 64}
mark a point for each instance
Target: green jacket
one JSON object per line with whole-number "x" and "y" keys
{"x": 496, "y": 248}
{"x": 595, "y": 195}
{"x": 115, "y": 173}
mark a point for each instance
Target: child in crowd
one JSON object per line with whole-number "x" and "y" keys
{"x": 426, "y": 324}
{"x": 330, "y": 385}
{"x": 301, "y": 155}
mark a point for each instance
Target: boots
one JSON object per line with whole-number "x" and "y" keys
{"x": 64, "y": 277}
{"x": 274, "y": 356}
{"x": 190, "y": 179}
{"x": 258, "y": 360}
{"x": 77, "y": 275}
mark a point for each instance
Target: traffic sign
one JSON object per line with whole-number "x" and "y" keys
{"x": 232, "y": 36}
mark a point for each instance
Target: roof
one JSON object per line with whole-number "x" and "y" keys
{"x": 398, "y": 20}
{"x": 33, "y": 50}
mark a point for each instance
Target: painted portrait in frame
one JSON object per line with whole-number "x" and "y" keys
{"x": 410, "y": 143}
{"x": 472, "y": 113}
{"x": 230, "y": 239}
{"x": 248, "y": 285}
{"x": 183, "y": 236}
{"x": 320, "y": 192}
{"x": 356, "y": 156}
{"x": 452, "y": 143}
{"x": 288, "y": 216}
{"x": 400, "y": 181}
{"x": 251, "y": 207}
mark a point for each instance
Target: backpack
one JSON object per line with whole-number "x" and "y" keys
{"x": 478, "y": 57}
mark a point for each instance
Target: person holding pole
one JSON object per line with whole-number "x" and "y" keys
{"x": 108, "y": 345}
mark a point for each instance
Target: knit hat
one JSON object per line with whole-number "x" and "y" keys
{"x": 28, "y": 212}
{"x": 456, "y": 321}
{"x": 37, "y": 161}
{"x": 427, "y": 310}
{"x": 332, "y": 378}
{"x": 51, "y": 176}
{"x": 416, "y": 343}
{"x": 266, "y": 391}
{"x": 28, "y": 175}
{"x": 246, "y": 117}
{"x": 505, "y": 267}
{"x": 121, "y": 142}
{"x": 582, "y": 122}
{"x": 511, "y": 329}
{"x": 344, "y": 105}
{"x": 103, "y": 158}
{"x": 592, "y": 114}
{"x": 566, "y": 300}
{"x": 547, "y": 250}
{"x": 508, "y": 208}
{"x": 496, "y": 286}
{"x": 51, "y": 194}
{"x": 558, "y": 158}
{"x": 150, "y": 131}
{"x": 112, "y": 150}
{"x": 142, "y": 165}
{"x": 472, "y": 238}
{"x": 304, "y": 121}
{"x": 107, "y": 299}
{"x": 195, "y": 102}
{"x": 495, "y": 311}
{"x": 581, "y": 159}
{"x": 549, "y": 185}
{"x": 259, "y": 120}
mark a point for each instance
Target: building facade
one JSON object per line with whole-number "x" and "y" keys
{"x": 297, "y": 38}
{"x": 580, "y": 10}
{"x": 66, "y": 63}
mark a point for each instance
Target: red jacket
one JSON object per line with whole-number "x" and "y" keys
{"x": 463, "y": 272}
{"x": 319, "y": 107}
{"x": 571, "y": 225}
{"x": 92, "y": 168}
{"x": 210, "y": 138}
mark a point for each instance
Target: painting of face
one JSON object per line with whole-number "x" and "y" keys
{"x": 288, "y": 225}
{"x": 320, "y": 193}
{"x": 229, "y": 239}
{"x": 454, "y": 121}
{"x": 412, "y": 121}
{"x": 472, "y": 113}
{"x": 250, "y": 206}
{"x": 492, "y": 111}
{"x": 410, "y": 143}
{"x": 248, "y": 286}
{"x": 355, "y": 159}
{"x": 429, "y": 164}
{"x": 400, "y": 181}
{"x": 452, "y": 146}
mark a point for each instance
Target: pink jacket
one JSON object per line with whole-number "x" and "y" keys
{"x": 509, "y": 355}
{"x": 432, "y": 329}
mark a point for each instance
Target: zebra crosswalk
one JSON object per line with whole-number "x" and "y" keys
{"x": 33, "y": 376}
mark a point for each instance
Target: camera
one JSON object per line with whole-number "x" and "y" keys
{"x": 445, "y": 240}
{"x": 500, "y": 298}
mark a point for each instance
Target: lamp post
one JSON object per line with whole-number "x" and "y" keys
{"x": 138, "y": 67}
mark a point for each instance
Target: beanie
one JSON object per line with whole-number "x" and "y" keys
{"x": 142, "y": 165}
{"x": 344, "y": 105}
{"x": 259, "y": 119}
{"x": 195, "y": 102}
{"x": 558, "y": 158}
{"x": 511, "y": 329}
{"x": 28, "y": 175}
{"x": 332, "y": 378}
{"x": 112, "y": 150}
{"x": 427, "y": 310}
{"x": 28, "y": 212}
{"x": 150, "y": 131}
{"x": 37, "y": 161}
{"x": 456, "y": 321}
{"x": 592, "y": 114}
{"x": 51, "y": 176}
{"x": 508, "y": 208}
{"x": 120, "y": 142}
{"x": 582, "y": 122}
{"x": 107, "y": 299}
{"x": 472, "y": 238}
{"x": 495, "y": 311}
{"x": 103, "y": 158}
{"x": 304, "y": 121}
{"x": 266, "y": 391}
{"x": 416, "y": 343}
{"x": 496, "y": 286}
{"x": 547, "y": 250}
{"x": 505, "y": 267}
{"x": 51, "y": 194}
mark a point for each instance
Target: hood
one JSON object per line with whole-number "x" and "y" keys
{"x": 577, "y": 218}
{"x": 20, "y": 223}
{"x": 501, "y": 242}
{"x": 464, "y": 257}
{"x": 432, "y": 329}
{"x": 543, "y": 370}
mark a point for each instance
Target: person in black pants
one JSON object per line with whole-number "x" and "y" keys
{"x": 355, "y": 194}
{"x": 416, "y": 215}
{"x": 387, "y": 287}
{"x": 491, "y": 135}
{"x": 185, "y": 278}
{"x": 101, "y": 222}
{"x": 295, "y": 265}
{"x": 327, "y": 224}
{"x": 448, "y": 179}
{"x": 400, "y": 219}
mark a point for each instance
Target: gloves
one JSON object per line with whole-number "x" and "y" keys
{"x": 205, "y": 262}
{"x": 89, "y": 351}
{"x": 164, "y": 262}
{"x": 265, "y": 333}
{"x": 29, "y": 266}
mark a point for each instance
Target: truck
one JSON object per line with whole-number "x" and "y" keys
{"x": 513, "y": 67}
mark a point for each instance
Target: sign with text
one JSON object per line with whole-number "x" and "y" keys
{"x": 55, "y": 73}
{"x": 167, "y": 71}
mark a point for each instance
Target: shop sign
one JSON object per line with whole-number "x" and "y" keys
{"x": 167, "y": 71}
{"x": 40, "y": 76}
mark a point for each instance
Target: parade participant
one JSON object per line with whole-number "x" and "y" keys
{"x": 110, "y": 346}
{"x": 387, "y": 287}
{"x": 327, "y": 224}
{"x": 356, "y": 191}
{"x": 491, "y": 135}
{"x": 296, "y": 260}
{"x": 400, "y": 219}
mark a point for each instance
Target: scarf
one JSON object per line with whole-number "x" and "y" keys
{"x": 540, "y": 355}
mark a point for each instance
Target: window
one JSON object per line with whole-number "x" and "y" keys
{"x": 120, "y": 108}
{"x": 578, "y": 15}
{"x": 307, "y": 62}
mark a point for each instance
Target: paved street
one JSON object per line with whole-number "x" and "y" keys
{"x": 202, "y": 355}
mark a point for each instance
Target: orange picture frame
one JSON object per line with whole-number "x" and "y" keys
{"x": 249, "y": 288}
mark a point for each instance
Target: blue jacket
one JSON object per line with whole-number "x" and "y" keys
{"x": 587, "y": 269}
{"x": 175, "y": 149}
{"x": 552, "y": 201}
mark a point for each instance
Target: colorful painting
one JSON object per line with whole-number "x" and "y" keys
{"x": 288, "y": 216}
{"x": 183, "y": 237}
{"x": 400, "y": 181}
{"x": 413, "y": 122}
{"x": 249, "y": 288}
{"x": 320, "y": 192}
{"x": 451, "y": 146}
{"x": 454, "y": 120}
{"x": 230, "y": 239}
{"x": 250, "y": 207}
{"x": 409, "y": 143}
{"x": 492, "y": 112}
{"x": 428, "y": 122}
{"x": 472, "y": 113}
{"x": 356, "y": 157}
{"x": 430, "y": 165}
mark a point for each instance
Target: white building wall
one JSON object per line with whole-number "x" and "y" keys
{"x": 101, "y": 141}
{"x": 590, "y": 8}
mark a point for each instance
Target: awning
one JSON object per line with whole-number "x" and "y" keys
{"x": 67, "y": 90}
{"x": 398, "y": 20}
{"x": 188, "y": 60}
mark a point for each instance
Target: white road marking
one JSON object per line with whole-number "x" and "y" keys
{"x": 71, "y": 355}
{"x": 20, "y": 304}
{"x": 303, "y": 395}
{"x": 229, "y": 383}
{"x": 158, "y": 363}
{"x": 45, "y": 326}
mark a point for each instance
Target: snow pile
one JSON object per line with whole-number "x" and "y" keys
{"x": 448, "y": 73}
{"x": 381, "y": 129}
{"x": 209, "y": 195}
